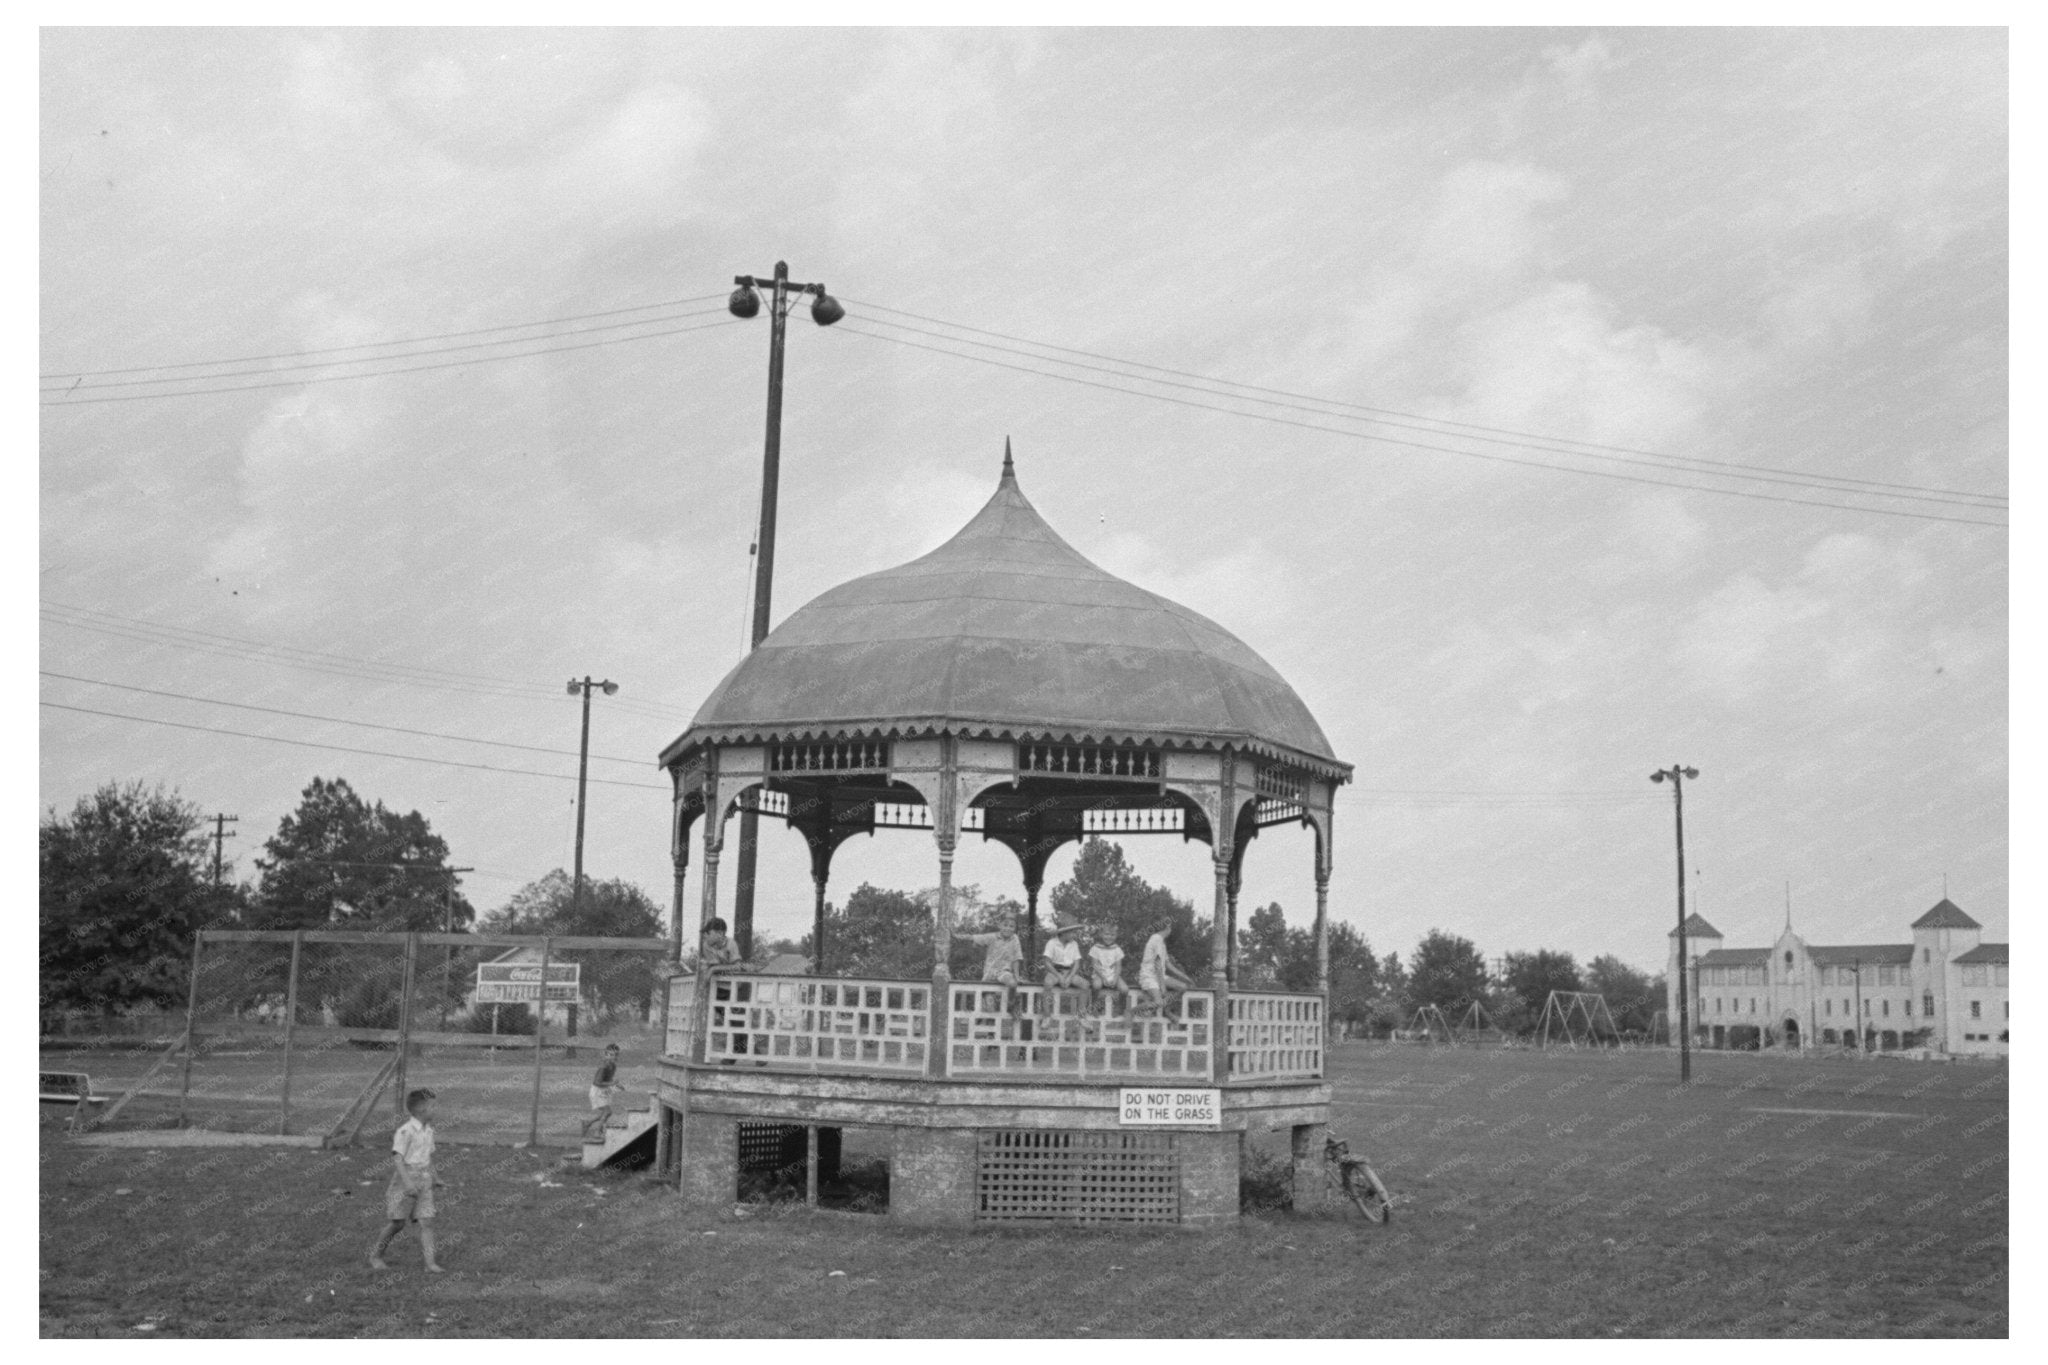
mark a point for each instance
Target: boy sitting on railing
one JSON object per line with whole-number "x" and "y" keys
{"x": 1063, "y": 966}
{"x": 716, "y": 952}
{"x": 1106, "y": 967}
{"x": 1000, "y": 965}
{"x": 1159, "y": 976}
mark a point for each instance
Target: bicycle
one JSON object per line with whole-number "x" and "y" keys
{"x": 1357, "y": 1181}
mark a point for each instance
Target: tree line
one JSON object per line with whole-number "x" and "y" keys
{"x": 125, "y": 884}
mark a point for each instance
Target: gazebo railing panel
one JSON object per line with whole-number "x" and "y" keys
{"x": 1276, "y": 1034}
{"x": 682, "y": 1006}
{"x": 1048, "y": 1035}
{"x": 808, "y": 1023}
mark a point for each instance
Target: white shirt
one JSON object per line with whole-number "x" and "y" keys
{"x": 1152, "y": 967}
{"x": 1106, "y": 964}
{"x": 1061, "y": 953}
{"x": 414, "y": 1144}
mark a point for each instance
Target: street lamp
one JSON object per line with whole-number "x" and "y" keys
{"x": 1677, "y": 776}
{"x": 825, "y": 310}
{"x": 582, "y": 778}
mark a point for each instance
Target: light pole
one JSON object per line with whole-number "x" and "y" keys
{"x": 1677, "y": 776}
{"x": 582, "y": 779}
{"x": 825, "y": 310}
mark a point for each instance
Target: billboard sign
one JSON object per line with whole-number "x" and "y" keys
{"x": 518, "y": 983}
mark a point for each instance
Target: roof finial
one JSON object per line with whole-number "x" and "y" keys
{"x": 1009, "y": 469}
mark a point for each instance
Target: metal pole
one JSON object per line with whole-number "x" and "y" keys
{"x": 818, "y": 929}
{"x": 582, "y": 778}
{"x": 764, "y": 587}
{"x": 448, "y": 949}
{"x": 291, "y": 1020}
{"x": 540, "y": 1017}
{"x": 1684, "y": 1000}
{"x": 1857, "y": 968}
{"x": 412, "y": 945}
{"x": 191, "y": 1012}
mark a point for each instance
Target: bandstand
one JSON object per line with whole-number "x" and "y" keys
{"x": 1000, "y": 687}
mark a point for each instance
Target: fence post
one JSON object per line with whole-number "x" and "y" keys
{"x": 412, "y": 945}
{"x": 540, "y": 1022}
{"x": 291, "y": 1020}
{"x": 191, "y": 1012}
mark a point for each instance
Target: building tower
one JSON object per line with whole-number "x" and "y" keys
{"x": 1701, "y": 938}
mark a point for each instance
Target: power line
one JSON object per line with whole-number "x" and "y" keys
{"x": 373, "y": 374}
{"x": 373, "y": 345}
{"x": 337, "y": 720}
{"x": 1436, "y": 424}
{"x": 292, "y": 656}
{"x": 345, "y": 749}
{"x": 403, "y": 355}
{"x": 1420, "y": 445}
{"x": 1648, "y": 459}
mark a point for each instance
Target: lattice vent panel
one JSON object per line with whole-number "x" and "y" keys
{"x": 1050, "y": 1175}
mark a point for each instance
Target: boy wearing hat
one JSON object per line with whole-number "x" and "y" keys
{"x": 1063, "y": 964}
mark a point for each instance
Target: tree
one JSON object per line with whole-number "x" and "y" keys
{"x": 122, "y": 891}
{"x": 1388, "y": 1000}
{"x": 1354, "y": 977}
{"x": 614, "y": 982}
{"x": 1632, "y": 996}
{"x": 339, "y": 862}
{"x": 1446, "y": 971}
{"x": 1529, "y": 978}
{"x": 1105, "y": 890}
{"x": 878, "y": 933}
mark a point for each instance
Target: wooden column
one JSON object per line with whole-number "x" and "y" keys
{"x": 291, "y": 1020}
{"x": 1230, "y": 960}
{"x": 681, "y": 864}
{"x": 818, "y": 927}
{"x": 540, "y": 1019}
{"x": 707, "y": 984}
{"x": 1323, "y": 936}
{"x": 191, "y": 1016}
{"x": 412, "y": 949}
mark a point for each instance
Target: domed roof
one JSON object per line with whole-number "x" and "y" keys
{"x": 1007, "y": 631}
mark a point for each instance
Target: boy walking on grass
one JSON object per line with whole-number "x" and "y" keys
{"x": 410, "y": 1195}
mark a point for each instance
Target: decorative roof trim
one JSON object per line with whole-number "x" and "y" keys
{"x": 931, "y": 727}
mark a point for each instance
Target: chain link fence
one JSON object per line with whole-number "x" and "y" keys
{"x": 321, "y": 1033}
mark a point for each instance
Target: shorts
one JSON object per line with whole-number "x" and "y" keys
{"x": 600, "y": 1097}
{"x": 402, "y": 1205}
{"x": 1005, "y": 977}
{"x": 1149, "y": 980}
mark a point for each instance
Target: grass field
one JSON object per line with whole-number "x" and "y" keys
{"x": 1560, "y": 1194}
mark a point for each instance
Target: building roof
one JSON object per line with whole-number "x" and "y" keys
{"x": 1735, "y": 957}
{"x": 1946, "y": 914}
{"x": 1986, "y": 952}
{"x": 1696, "y": 927}
{"x": 1006, "y": 631}
{"x": 1870, "y": 954}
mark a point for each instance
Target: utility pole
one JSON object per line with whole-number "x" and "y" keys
{"x": 1677, "y": 776}
{"x": 448, "y": 949}
{"x": 825, "y": 311}
{"x": 220, "y": 835}
{"x": 582, "y": 780}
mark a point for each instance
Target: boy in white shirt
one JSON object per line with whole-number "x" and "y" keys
{"x": 410, "y": 1195}
{"x": 1106, "y": 965}
{"x": 1004, "y": 962}
{"x": 1158, "y": 973}
{"x": 1063, "y": 966}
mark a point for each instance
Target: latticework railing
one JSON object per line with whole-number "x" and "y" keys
{"x": 682, "y": 1016}
{"x": 1276, "y": 1035}
{"x": 1047, "y": 1034}
{"x": 806, "y": 1022}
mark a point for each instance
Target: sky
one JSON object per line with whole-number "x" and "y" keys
{"x": 1547, "y": 406}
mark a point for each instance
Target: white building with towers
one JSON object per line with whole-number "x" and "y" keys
{"x": 1946, "y": 989}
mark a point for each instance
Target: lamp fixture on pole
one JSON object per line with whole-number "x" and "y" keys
{"x": 1677, "y": 776}
{"x": 825, "y": 310}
